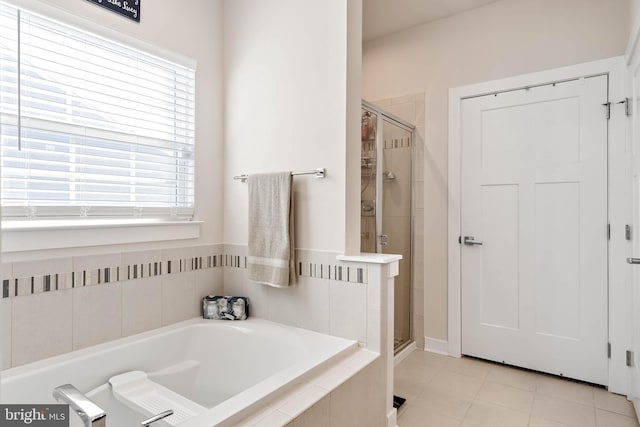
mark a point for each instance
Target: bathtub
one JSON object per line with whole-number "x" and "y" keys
{"x": 228, "y": 368}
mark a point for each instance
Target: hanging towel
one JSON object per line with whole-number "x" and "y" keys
{"x": 271, "y": 238}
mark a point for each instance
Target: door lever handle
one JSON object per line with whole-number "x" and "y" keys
{"x": 469, "y": 240}
{"x": 633, "y": 260}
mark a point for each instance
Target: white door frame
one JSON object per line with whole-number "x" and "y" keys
{"x": 619, "y": 210}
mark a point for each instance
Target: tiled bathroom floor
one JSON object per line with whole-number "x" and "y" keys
{"x": 444, "y": 391}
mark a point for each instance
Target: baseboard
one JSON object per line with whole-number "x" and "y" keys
{"x": 392, "y": 418}
{"x": 404, "y": 353}
{"x": 436, "y": 346}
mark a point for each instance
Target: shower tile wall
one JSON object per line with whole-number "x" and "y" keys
{"x": 412, "y": 109}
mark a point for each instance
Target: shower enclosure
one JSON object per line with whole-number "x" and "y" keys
{"x": 386, "y": 198}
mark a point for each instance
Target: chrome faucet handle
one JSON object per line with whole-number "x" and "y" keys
{"x": 157, "y": 417}
{"x": 90, "y": 413}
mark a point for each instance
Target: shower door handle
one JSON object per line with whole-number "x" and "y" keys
{"x": 469, "y": 240}
{"x": 383, "y": 239}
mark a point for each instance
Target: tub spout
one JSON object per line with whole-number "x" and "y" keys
{"x": 89, "y": 412}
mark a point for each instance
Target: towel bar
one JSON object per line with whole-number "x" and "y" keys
{"x": 319, "y": 173}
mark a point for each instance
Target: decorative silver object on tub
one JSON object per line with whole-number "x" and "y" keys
{"x": 225, "y": 307}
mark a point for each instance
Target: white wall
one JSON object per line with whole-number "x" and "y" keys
{"x": 502, "y": 39}
{"x": 194, "y": 31}
{"x": 287, "y": 76}
{"x": 634, "y": 18}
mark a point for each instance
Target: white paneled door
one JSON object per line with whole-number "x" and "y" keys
{"x": 634, "y": 300}
{"x": 534, "y": 216}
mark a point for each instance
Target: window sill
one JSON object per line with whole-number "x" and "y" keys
{"x": 18, "y": 236}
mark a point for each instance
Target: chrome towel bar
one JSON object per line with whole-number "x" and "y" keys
{"x": 319, "y": 173}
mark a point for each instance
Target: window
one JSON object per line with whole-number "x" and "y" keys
{"x": 91, "y": 127}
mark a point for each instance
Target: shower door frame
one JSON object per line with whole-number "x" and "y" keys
{"x": 383, "y": 115}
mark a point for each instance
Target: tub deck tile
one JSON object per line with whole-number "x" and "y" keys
{"x": 303, "y": 401}
{"x": 274, "y": 419}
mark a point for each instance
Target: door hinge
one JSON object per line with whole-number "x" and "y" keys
{"x": 627, "y": 106}
{"x": 627, "y": 232}
{"x": 607, "y": 106}
{"x": 608, "y": 231}
{"x": 630, "y": 358}
{"x": 608, "y": 350}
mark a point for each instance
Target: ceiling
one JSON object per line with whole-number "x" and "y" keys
{"x": 382, "y": 17}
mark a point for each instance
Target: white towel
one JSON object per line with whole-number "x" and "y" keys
{"x": 271, "y": 238}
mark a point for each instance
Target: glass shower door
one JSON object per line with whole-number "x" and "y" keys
{"x": 396, "y": 178}
{"x": 386, "y": 204}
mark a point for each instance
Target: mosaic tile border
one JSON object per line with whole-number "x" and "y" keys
{"x": 36, "y": 284}
{"x": 341, "y": 273}
{"x": 337, "y": 272}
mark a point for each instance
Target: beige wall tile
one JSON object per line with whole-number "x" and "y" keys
{"x": 418, "y": 301}
{"x": 403, "y": 99}
{"x": 383, "y": 103}
{"x": 348, "y": 310}
{"x": 313, "y": 305}
{"x": 141, "y": 305}
{"x": 141, "y": 259}
{"x": 89, "y": 262}
{"x": 41, "y": 267}
{"x": 209, "y": 282}
{"x": 419, "y": 112}
{"x": 418, "y": 331}
{"x": 406, "y": 111}
{"x": 41, "y": 326}
{"x": 295, "y": 405}
{"x": 5, "y": 311}
{"x": 273, "y": 419}
{"x": 179, "y": 301}
{"x": 97, "y": 314}
{"x": 318, "y": 415}
{"x": 359, "y": 402}
{"x": 418, "y": 270}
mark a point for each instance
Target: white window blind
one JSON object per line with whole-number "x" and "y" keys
{"x": 90, "y": 126}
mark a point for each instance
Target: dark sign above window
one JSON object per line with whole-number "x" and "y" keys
{"x": 128, "y": 8}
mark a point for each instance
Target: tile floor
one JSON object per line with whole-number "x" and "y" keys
{"x": 444, "y": 391}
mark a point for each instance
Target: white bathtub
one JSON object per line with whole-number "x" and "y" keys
{"x": 229, "y": 368}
